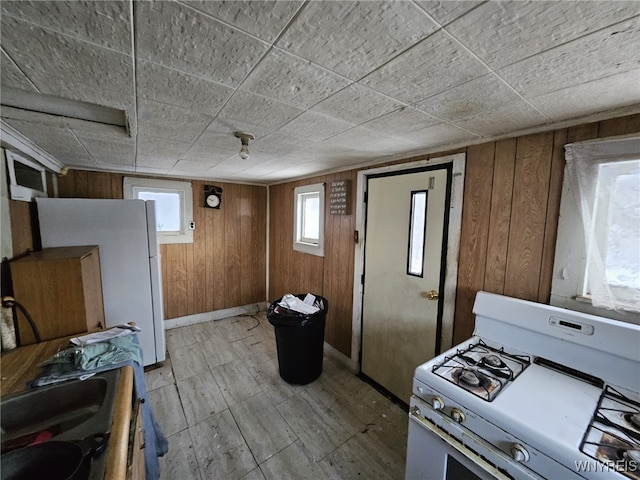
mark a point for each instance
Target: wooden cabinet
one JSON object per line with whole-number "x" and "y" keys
{"x": 61, "y": 288}
{"x": 135, "y": 457}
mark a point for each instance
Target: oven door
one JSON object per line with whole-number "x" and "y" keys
{"x": 433, "y": 454}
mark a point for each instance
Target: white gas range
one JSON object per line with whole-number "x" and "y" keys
{"x": 538, "y": 392}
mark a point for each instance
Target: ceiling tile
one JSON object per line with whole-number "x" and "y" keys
{"x": 502, "y": 33}
{"x": 368, "y": 141}
{"x": 144, "y": 169}
{"x": 357, "y": 104}
{"x": 179, "y": 37}
{"x": 171, "y": 122}
{"x": 188, "y": 167}
{"x": 59, "y": 142}
{"x": 12, "y": 76}
{"x": 447, "y": 11}
{"x": 154, "y": 162}
{"x": 430, "y": 67}
{"x": 68, "y": 67}
{"x": 217, "y": 136}
{"x": 279, "y": 144}
{"x": 438, "y": 135}
{"x": 256, "y": 114}
{"x": 588, "y": 98}
{"x": 109, "y": 154}
{"x": 166, "y": 85}
{"x": 315, "y": 126}
{"x": 104, "y": 23}
{"x": 208, "y": 155}
{"x": 602, "y": 54}
{"x": 469, "y": 99}
{"x": 405, "y": 120}
{"x": 161, "y": 148}
{"x": 292, "y": 80}
{"x": 508, "y": 118}
{"x": 264, "y": 19}
{"x": 354, "y": 38}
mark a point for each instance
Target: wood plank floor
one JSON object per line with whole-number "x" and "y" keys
{"x": 228, "y": 414}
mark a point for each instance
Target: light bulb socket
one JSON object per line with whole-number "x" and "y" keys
{"x": 244, "y": 140}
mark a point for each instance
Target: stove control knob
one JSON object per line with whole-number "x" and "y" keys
{"x": 437, "y": 403}
{"x": 458, "y": 415}
{"x": 519, "y": 453}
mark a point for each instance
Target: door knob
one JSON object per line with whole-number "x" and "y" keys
{"x": 431, "y": 294}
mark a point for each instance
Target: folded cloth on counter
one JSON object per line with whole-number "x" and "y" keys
{"x": 96, "y": 355}
{"x": 81, "y": 362}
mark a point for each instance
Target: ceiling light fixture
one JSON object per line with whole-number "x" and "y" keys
{"x": 244, "y": 138}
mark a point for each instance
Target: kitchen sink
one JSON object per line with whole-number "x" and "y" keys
{"x": 72, "y": 410}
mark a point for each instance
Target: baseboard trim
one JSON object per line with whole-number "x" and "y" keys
{"x": 249, "y": 309}
{"x": 341, "y": 358}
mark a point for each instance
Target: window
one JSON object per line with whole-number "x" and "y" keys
{"x": 616, "y": 231}
{"x": 417, "y": 230}
{"x": 308, "y": 223}
{"x": 597, "y": 255}
{"x": 173, "y": 202}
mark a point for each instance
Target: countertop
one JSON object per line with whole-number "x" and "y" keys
{"x": 20, "y": 365}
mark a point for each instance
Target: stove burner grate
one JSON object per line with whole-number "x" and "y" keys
{"x": 613, "y": 436}
{"x": 481, "y": 369}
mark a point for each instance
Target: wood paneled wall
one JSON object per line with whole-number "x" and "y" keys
{"x": 509, "y": 223}
{"x": 330, "y": 276}
{"x": 224, "y": 267}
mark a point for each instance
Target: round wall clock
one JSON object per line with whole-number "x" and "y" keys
{"x": 212, "y": 196}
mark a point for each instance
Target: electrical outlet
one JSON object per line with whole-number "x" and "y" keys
{"x": 192, "y": 225}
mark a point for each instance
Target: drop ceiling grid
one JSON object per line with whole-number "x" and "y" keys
{"x": 332, "y": 82}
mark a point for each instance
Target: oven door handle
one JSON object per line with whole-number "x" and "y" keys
{"x": 454, "y": 443}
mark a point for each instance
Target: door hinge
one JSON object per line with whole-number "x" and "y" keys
{"x": 356, "y": 236}
{"x": 366, "y": 197}
{"x": 362, "y": 279}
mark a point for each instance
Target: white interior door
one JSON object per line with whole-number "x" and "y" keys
{"x": 402, "y": 275}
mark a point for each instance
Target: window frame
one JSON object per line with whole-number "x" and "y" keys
{"x": 133, "y": 185}
{"x": 300, "y": 243}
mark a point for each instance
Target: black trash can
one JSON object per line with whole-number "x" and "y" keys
{"x": 300, "y": 340}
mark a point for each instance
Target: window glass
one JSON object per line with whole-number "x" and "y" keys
{"x": 311, "y": 218}
{"x": 617, "y": 219}
{"x": 417, "y": 233}
{"x": 167, "y": 210}
{"x": 29, "y": 177}
{"x": 173, "y": 206}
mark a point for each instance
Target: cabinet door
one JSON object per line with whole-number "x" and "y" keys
{"x": 135, "y": 461}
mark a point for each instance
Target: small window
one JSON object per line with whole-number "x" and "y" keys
{"x": 308, "y": 223}
{"x": 173, "y": 201}
{"x": 597, "y": 260}
{"x": 417, "y": 230}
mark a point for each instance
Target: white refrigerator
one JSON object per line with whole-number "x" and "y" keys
{"x": 125, "y": 231}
